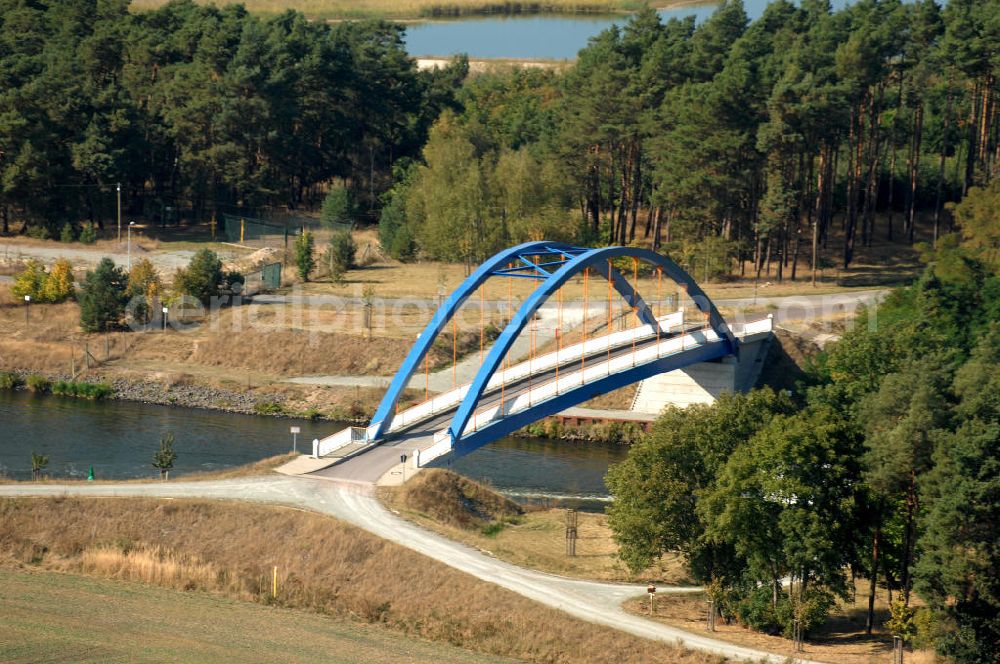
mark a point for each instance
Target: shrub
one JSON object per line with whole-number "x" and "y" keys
{"x": 9, "y": 380}
{"x": 202, "y": 277}
{"x": 88, "y": 234}
{"x": 232, "y": 277}
{"x": 66, "y": 234}
{"x": 44, "y": 286}
{"x": 38, "y": 464}
{"x": 756, "y": 611}
{"x": 342, "y": 251}
{"x": 268, "y": 408}
{"x": 813, "y": 609}
{"x": 493, "y": 528}
{"x": 40, "y": 233}
{"x": 103, "y": 297}
{"x": 304, "y": 259}
{"x": 144, "y": 289}
{"x": 81, "y": 389}
{"x": 312, "y": 414}
{"x": 38, "y": 383}
{"x": 58, "y": 286}
{"x": 163, "y": 459}
{"x": 338, "y": 208}
{"x": 30, "y": 281}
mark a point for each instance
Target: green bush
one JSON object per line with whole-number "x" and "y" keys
{"x": 493, "y": 528}
{"x": 202, "y": 277}
{"x": 312, "y": 414}
{"x": 269, "y": 408}
{"x": 338, "y": 207}
{"x": 67, "y": 235}
{"x": 103, "y": 297}
{"x": 40, "y": 233}
{"x": 88, "y": 234}
{"x": 756, "y": 611}
{"x": 38, "y": 383}
{"x": 814, "y": 608}
{"x": 341, "y": 252}
{"x": 81, "y": 389}
{"x": 305, "y": 262}
{"x": 9, "y": 380}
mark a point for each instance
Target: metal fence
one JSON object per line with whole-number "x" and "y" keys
{"x": 270, "y": 232}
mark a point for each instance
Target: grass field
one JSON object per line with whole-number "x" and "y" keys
{"x": 52, "y": 617}
{"x": 535, "y": 539}
{"x": 324, "y": 566}
{"x": 411, "y": 9}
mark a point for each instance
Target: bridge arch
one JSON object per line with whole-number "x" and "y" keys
{"x": 387, "y": 408}
{"x": 598, "y": 259}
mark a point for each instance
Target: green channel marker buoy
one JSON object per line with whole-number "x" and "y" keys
{"x": 90, "y": 478}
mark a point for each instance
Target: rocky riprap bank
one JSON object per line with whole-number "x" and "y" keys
{"x": 189, "y": 396}
{"x": 180, "y": 394}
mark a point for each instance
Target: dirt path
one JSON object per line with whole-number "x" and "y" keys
{"x": 352, "y": 502}
{"x": 164, "y": 260}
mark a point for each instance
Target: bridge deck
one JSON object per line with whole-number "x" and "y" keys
{"x": 372, "y": 464}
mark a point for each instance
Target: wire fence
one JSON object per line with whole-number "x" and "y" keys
{"x": 275, "y": 231}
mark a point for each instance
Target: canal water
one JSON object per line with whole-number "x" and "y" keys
{"x": 118, "y": 438}
{"x": 540, "y": 37}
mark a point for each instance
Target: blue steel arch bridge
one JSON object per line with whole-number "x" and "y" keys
{"x": 506, "y": 394}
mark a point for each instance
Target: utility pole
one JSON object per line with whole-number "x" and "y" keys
{"x": 118, "y": 188}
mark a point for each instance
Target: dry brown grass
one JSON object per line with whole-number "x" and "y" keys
{"x": 255, "y": 469}
{"x": 323, "y": 565}
{"x": 437, "y": 500}
{"x": 456, "y": 501}
{"x": 154, "y": 566}
{"x": 262, "y": 467}
{"x": 255, "y": 340}
{"x": 842, "y": 640}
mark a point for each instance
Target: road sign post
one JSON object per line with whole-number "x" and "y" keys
{"x": 295, "y": 432}
{"x": 651, "y": 589}
{"x": 402, "y": 460}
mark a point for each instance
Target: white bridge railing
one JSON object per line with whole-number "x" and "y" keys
{"x": 570, "y": 380}
{"x": 331, "y": 444}
{"x": 567, "y": 381}
{"x": 756, "y": 327}
{"x": 451, "y": 398}
{"x": 442, "y": 445}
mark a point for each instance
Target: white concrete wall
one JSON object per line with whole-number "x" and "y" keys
{"x": 703, "y": 382}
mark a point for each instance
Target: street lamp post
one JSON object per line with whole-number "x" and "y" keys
{"x": 118, "y": 188}
{"x": 130, "y": 225}
{"x": 27, "y": 304}
{"x": 295, "y": 432}
{"x": 164, "y": 311}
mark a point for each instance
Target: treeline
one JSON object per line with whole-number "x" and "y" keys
{"x": 725, "y": 140}
{"x": 200, "y": 109}
{"x": 885, "y": 466}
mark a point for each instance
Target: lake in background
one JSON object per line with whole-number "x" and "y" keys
{"x": 539, "y": 37}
